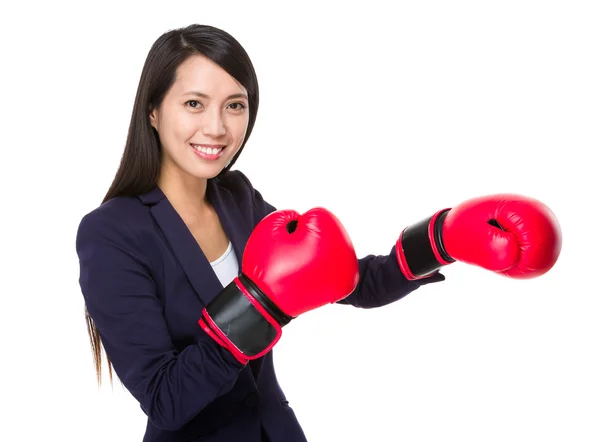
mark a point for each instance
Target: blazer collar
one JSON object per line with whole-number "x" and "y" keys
{"x": 187, "y": 251}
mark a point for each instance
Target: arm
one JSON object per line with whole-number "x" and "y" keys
{"x": 381, "y": 280}
{"x": 510, "y": 234}
{"x": 121, "y": 297}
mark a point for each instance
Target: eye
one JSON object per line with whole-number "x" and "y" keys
{"x": 194, "y": 104}
{"x": 237, "y": 106}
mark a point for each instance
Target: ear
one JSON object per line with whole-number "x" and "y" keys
{"x": 154, "y": 118}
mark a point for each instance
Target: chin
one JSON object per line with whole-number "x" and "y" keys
{"x": 207, "y": 172}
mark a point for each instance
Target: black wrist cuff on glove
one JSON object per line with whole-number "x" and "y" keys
{"x": 420, "y": 249}
{"x": 244, "y": 316}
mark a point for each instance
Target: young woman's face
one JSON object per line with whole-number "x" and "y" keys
{"x": 202, "y": 120}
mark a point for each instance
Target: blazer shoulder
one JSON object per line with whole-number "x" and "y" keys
{"x": 245, "y": 193}
{"x": 236, "y": 182}
{"x": 115, "y": 218}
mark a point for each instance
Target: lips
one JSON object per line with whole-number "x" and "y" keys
{"x": 209, "y": 149}
{"x": 209, "y": 152}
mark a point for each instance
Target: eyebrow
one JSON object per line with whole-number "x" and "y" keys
{"x": 203, "y": 95}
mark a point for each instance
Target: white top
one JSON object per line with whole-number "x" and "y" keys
{"x": 226, "y": 267}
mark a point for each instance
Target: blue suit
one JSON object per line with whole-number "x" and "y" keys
{"x": 145, "y": 281}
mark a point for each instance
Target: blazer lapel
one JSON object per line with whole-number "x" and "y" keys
{"x": 236, "y": 226}
{"x": 185, "y": 248}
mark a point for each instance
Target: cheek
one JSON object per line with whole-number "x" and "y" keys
{"x": 174, "y": 122}
{"x": 184, "y": 126}
{"x": 176, "y": 130}
{"x": 238, "y": 128}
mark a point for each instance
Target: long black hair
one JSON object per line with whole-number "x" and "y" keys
{"x": 140, "y": 164}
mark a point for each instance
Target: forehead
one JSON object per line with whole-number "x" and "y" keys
{"x": 201, "y": 74}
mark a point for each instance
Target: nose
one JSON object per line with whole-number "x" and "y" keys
{"x": 213, "y": 124}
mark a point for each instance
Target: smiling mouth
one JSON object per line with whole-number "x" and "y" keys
{"x": 208, "y": 150}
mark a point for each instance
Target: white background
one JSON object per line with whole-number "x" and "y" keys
{"x": 382, "y": 114}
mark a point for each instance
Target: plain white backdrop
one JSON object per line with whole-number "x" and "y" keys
{"x": 383, "y": 114}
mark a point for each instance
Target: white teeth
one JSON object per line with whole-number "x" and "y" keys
{"x": 208, "y": 150}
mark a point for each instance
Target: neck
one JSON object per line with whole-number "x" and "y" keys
{"x": 186, "y": 193}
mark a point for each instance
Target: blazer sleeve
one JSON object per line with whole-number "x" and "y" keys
{"x": 121, "y": 297}
{"x": 381, "y": 281}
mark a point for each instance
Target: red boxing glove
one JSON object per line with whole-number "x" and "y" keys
{"x": 513, "y": 235}
{"x": 292, "y": 263}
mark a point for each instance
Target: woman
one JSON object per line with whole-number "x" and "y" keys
{"x": 169, "y": 235}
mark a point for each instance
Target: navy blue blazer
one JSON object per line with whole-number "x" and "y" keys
{"x": 145, "y": 280}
